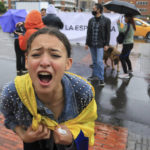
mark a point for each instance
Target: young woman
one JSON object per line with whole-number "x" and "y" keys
{"x": 127, "y": 45}
{"x": 49, "y": 108}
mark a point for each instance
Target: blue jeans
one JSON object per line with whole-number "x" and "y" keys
{"x": 98, "y": 65}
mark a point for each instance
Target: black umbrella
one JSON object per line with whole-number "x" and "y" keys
{"x": 122, "y": 7}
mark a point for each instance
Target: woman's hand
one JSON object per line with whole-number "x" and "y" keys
{"x": 29, "y": 135}
{"x": 62, "y": 135}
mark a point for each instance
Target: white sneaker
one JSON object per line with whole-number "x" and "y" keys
{"x": 125, "y": 76}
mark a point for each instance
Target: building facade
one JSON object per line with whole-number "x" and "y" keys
{"x": 65, "y": 4}
{"x": 61, "y": 4}
{"x": 142, "y": 5}
{"x": 86, "y": 4}
{"x": 9, "y": 3}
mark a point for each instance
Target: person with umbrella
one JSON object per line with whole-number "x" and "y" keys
{"x": 127, "y": 45}
{"x": 129, "y": 10}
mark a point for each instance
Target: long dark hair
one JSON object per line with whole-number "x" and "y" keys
{"x": 131, "y": 21}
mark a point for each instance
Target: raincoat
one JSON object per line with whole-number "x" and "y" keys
{"x": 33, "y": 22}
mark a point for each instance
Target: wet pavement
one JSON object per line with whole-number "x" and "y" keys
{"x": 124, "y": 103}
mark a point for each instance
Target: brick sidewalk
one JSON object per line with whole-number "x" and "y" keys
{"x": 107, "y": 137}
{"x": 8, "y": 139}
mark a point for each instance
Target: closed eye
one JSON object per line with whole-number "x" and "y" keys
{"x": 35, "y": 55}
{"x": 57, "y": 56}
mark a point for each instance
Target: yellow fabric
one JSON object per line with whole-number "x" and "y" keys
{"x": 84, "y": 121}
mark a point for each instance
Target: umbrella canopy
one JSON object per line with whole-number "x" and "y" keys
{"x": 122, "y": 7}
{"x": 10, "y": 18}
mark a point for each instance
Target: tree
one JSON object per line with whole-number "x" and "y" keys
{"x": 2, "y": 7}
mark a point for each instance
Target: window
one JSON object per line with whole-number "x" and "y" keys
{"x": 138, "y": 23}
{"x": 143, "y": 9}
{"x": 142, "y": 3}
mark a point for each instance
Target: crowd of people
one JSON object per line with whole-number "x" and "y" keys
{"x": 48, "y": 107}
{"x": 98, "y": 37}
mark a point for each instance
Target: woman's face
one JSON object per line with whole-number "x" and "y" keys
{"x": 46, "y": 62}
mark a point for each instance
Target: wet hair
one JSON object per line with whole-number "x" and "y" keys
{"x": 51, "y": 31}
{"x": 100, "y": 7}
{"x": 130, "y": 20}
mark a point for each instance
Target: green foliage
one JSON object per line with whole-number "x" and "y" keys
{"x": 2, "y": 7}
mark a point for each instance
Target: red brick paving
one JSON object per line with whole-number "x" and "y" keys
{"x": 8, "y": 139}
{"x": 107, "y": 137}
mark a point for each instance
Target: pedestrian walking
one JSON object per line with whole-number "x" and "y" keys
{"x": 49, "y": 108}
{"x": 98, "y": 37}
{"x": 51, "y": 19}
{"x": 128, "y": 43}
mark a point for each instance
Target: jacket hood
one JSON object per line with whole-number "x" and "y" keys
{"x": 51, "y": 9}
{"x": 34, "y": 20}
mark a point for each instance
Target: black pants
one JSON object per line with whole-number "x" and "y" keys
{"x": 47, "y": 144}
{"x": 124, "y": 57}
{"x": 39, "y": 145}
{"x": 20, "y": 56}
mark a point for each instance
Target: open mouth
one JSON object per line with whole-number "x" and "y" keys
{"x": 45, "y": 77}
